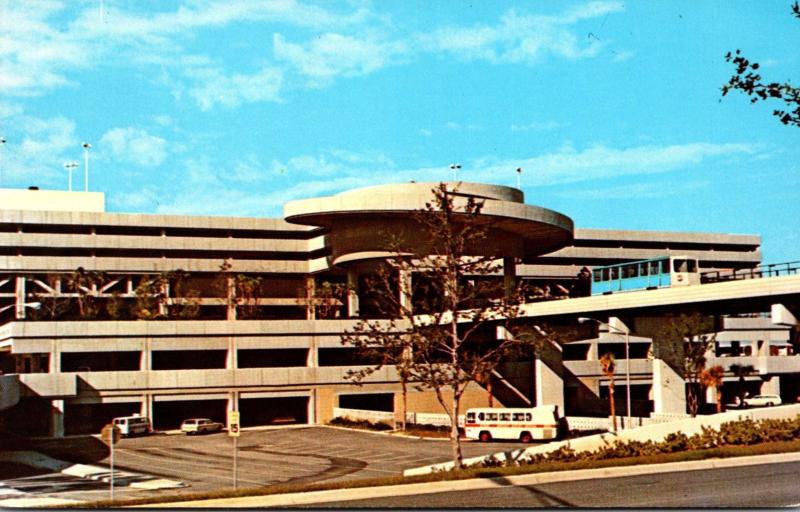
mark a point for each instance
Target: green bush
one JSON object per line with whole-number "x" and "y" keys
{"x": 744, "y": 432}
{"x": 363, "y": 424}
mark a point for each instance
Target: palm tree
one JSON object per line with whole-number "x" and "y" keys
{"x": 609, "y": 366}
{"x": 712, "y": 377}
{"x": 742, "y": 370}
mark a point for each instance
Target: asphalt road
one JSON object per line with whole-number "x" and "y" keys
{"x": 265, "y": 457}
{"x": 758, "y": 486}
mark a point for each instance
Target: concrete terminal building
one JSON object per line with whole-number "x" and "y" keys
{"x": 109, "y": 314}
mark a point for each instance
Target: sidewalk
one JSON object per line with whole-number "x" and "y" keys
{"x": 316, "y": 497}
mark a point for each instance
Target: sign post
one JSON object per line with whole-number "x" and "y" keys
{"x": 233, "y": 431}
{"x": 110, "y": 435}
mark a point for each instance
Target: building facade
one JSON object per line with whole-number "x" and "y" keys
{"x": 173, "y": 316}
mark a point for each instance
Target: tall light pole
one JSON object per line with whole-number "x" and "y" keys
{"x": 455, "y": 168}
{"x": 69, "y": 166}
{"x": 86, "y": 148}
{"x": 519, "y": 178}
{"x": 2, "y": 147}
{"x": 627, "y": 332}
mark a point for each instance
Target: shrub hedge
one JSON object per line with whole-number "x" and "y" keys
{"x": 734, "y": 433}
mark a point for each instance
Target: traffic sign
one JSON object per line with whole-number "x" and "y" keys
{"x": 110, "y": 434}
{"x": 233, "y": 423}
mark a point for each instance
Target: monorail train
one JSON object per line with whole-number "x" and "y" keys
{"x": 645, "y": 275}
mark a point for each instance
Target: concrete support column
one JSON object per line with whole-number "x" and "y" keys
{"x": 57, "y": 418}
{"x": 231, "y": 358}
{"x": 147, "y": 407}
{"x": 312, "y": 359}
{"x": 771, "y": 386}
{"x": 352, "y": 293}
{"x": 231, "y": 285}
{"x": 593, "y": 354}
{"x": 312, "y": 407}
{"x": 54, "y": 363}
{"x": 19, "y": 298}
{"x": 509, "y": 276}
{"x": 311, "y": 293}
{"x": 163, "y": 310}
{"x": 233, "y": 401}
{"x": 404, "y": 285}
{"x": 669, "y": 389}
{"x": 146, "y": 358}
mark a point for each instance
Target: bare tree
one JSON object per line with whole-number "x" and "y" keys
{"x": 609, "y": 367}
{"x": 748, "y": 80}
{"x": 443, "y": 316}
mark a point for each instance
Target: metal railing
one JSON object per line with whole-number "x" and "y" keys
{"x": 771, "y": 270}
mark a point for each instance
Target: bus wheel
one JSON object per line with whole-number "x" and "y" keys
{"x": 485, "y": 436}
{"x": 526, "y": 437}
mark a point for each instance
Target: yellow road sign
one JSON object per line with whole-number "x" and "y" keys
{"x": 233, "y": 423}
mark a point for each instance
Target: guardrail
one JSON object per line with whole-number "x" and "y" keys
{"x": 771, "y": 270}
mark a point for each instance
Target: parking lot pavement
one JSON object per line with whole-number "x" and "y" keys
{"x": 265, "y": 457}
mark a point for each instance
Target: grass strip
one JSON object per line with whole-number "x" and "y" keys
{"x": 544, "y": 467}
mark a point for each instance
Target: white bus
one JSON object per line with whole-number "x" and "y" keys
{"x": 133, "y": 425}
{"x": 485, "y": 424}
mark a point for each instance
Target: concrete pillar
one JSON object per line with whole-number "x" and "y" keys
{"x": 312, "y": 359}
{"x": 771, "y": 386}
{"x": 352, "y": 293}
{"x": 54, "y": 363}
{"x": 57, "y": 418}
{"x": 593, "y": 354}
{"x": 404, "y": 285}
{"x": 669, "y": 389}
{"x": 312, "y": 407}
{"x": 231, "y": 358}
{"x": 146, "y": 358}
{"x": 19, "y": 298}
{"x": 761, "y": 348}
{"x": 311, "y": 293}
{"x": 231, "y": 299}
{"x": 509, "y": 276}
{"x": 147, "y": 407}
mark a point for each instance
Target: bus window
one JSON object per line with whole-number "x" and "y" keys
{"x": 518, "y": 416}
{"x": 505, "y": 416}
{"x": 470, "y": 417}
{"x": 629, "y": 271}
{"x": 491, "y": 416}
{"x": 598, "y": 275}
{"x": 614, "y": 273}
{"x": 528, "y": 416}
{"x": 643, "y": 269}
{"x": 480, "y": 416}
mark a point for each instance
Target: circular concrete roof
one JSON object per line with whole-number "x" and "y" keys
{"x": 361, "y": 220}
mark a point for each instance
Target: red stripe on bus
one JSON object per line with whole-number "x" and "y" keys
{"x": 507, "y": 425}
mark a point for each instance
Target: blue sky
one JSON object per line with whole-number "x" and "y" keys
{"x": 232, "y": 108}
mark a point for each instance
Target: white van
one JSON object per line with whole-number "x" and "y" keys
{"x": 133, "y": 425}
{"x": 524, "y": 424}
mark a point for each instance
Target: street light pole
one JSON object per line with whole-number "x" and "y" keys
{"x": 455, "y": 168}
{"x": 2, "y": 145}
{"x": 615, "y": 330}
{"x": 69, "y": 166}
{"x": 86, "y": 148}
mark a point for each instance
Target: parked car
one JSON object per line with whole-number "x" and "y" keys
{"x": 762, "y": 400}
{"x": 200, "y": 426}
{"x": 133, "y": 425}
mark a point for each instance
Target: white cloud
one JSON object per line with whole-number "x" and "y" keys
{"x": 537, "y": 126}
{"x": 330, "y": 55}
{"x": 212, "y": 87}
{"x": 134, "y": 145}
{"x": 520, "y": 38}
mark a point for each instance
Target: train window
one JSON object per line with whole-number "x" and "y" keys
{"x": 614, "y": 273}
{"x": 605, "y": 274}
{"x": 655, "y": 268}
{"x": 665, "y": 267}
{"x": 629, "y": 271}
{"x": 643, "y": 269}
{"x": 684, "y": 266}
{"x": 598, "y": 275}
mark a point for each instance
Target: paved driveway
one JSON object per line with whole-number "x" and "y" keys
{"x": 298, "y": 455}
